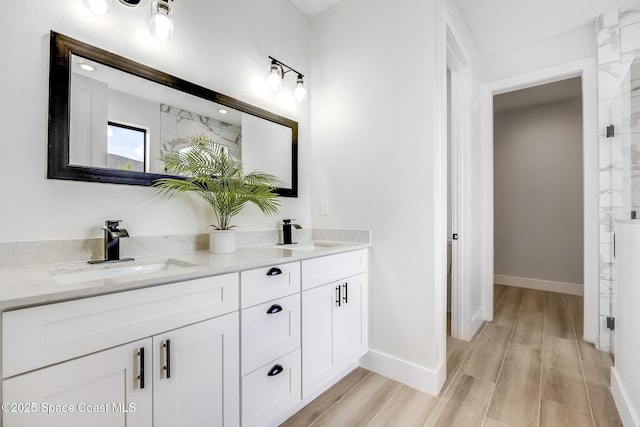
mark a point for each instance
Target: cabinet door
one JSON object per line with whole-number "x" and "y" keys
{"x": 196, "y": 377}
{"x": 348, "y": 323}
{"x": 317, "y": 337}
{"x": 99, "y": 390}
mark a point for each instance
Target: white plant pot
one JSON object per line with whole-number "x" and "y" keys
{"x": 222, "y": 241}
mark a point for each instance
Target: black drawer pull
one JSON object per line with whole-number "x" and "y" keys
{"x": 140, "y": 354}
{"x": 274, "y": 271}
{"x": 277, "y": 369}
{"x": 275, "y": 308}
{"x": 167, "y": 358}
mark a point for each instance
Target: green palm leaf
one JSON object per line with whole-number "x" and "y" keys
{"x": 219, "y": 179}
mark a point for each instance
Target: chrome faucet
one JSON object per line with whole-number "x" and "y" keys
{"x": 112, "y": 236}
{"x": 286, "y": 231}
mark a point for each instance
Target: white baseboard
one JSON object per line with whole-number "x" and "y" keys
{"x": 418, "y": 377}
{"x": 541, "y": 285}
{"x": 476, "y": 322}
{"x": 628, "y": 413}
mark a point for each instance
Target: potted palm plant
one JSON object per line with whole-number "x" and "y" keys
{"x": 218, "y": 178}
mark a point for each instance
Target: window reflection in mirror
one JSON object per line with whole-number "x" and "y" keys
{"x": 126, "y": 147}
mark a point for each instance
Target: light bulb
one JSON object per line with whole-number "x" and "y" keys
{"x": 87, "y": 67}
{"x": 300, "y": 92}
{"x": 99, "y": 7}
{"x": 161, "y": 20}
{"x": 274, "y": 80}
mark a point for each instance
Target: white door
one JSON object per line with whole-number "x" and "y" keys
{"x": 196, "y": 374}
{"x": 99, "y": 390}
{"x": 347, "y": 323}
{"x": 317, "y": 336}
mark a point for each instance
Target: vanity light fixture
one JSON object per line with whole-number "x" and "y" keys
{"x": 300, "y": 92}
{"x": 276, "y": 73}
{"x": 161, "y": 22}
{"x": 274, "y": 80}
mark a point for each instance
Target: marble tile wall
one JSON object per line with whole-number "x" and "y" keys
{"x": 618, "y": 41}
{"x": 177, "y": 126}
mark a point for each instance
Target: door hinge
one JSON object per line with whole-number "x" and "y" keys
{"x": 611, "y": 323}
{"x": 455, "y": 236}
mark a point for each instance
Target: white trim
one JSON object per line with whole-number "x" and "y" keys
{"x": 541, "y": 285}
{"x": 418, "y": 377}
{"x": 476, "y": 321}
{"x": 459, "y": 62}
{"x": 628, "y": 414}
{"x": 587, "y": 70}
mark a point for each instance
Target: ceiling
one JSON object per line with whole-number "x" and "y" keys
{"x": 313, "y": 7}
{"x": 501, "y": 25}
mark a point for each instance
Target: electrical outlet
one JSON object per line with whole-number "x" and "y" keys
{"x": 324, "y": 207}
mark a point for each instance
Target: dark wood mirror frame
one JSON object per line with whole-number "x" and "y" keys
{"x": 61, "y": 49}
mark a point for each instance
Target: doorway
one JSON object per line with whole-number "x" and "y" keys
{"x": 586, "y": 70}
{"x": 538, "y": 182}
{"x": 459, "y": 323}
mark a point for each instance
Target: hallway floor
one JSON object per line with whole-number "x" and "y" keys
{"x": 526, "y": 368}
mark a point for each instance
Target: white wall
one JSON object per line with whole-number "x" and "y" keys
{"x": 263, "y": 150}
{"x": 563, "y": 49}
{"x": 379, "y": 158}
{"x": 218, "y": 44}
{"x": 538, "y": 192}
{"x": 373, "y": 123}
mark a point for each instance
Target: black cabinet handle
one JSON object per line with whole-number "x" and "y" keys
{"x": 275, "y": 308}
{"x": 345, "y": 298}
{"x": 274, "y": 271}
{"x": 277, "y": 369}
{"x": 338, "y": 296}
{"x": 167, "y": 358}
{"x": 141, "y": 367}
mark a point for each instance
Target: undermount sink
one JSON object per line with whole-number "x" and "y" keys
{"x": 109, "y": 271}
{"x": 309, "y": 246}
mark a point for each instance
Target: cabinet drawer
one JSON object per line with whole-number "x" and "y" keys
{"x": 318, "y": 271}
{"x": 40, "y": 336}
{"x": 271, "y": 390}
{"x": 269, "y": 331}
{"x": 269, "y": 283}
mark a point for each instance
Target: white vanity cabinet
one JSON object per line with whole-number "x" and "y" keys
{"x": 73, "y": 354}
{"x": 334, "y": 316}
{"x": 270, "y": 343}
{"x": 247, "y": 349}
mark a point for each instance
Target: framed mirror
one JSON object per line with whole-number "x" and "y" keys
{"x": 111, "y": 119}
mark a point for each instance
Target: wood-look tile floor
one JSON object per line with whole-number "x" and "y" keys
{"x": 529, "y": 367}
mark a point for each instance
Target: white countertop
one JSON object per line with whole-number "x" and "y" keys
{"x": 37, "y": 285}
